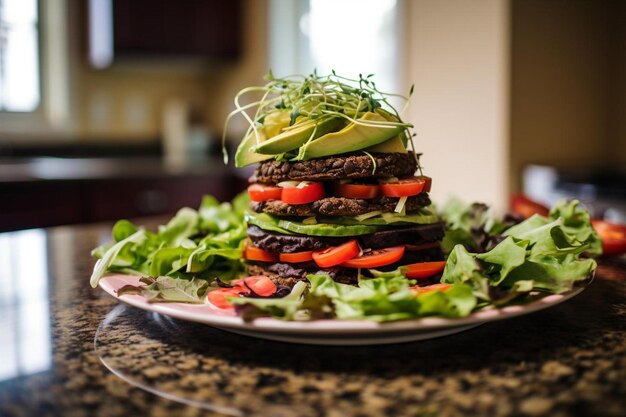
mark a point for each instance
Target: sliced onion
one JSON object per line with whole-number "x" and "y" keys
{"x": 366, "y": 216}
{"x": 400, "y": 205}
{"x": 288, "y": 184}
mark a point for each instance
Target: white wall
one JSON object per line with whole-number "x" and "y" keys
{"x": 457, "y": 56}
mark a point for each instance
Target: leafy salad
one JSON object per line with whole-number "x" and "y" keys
{"x": 489, "y": 263}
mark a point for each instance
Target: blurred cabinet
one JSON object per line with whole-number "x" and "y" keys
{"x": 48, "y": 203}
{"x": 203, "y": 30}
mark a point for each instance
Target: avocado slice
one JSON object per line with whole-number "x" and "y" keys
{"x": 244, "y": 155}
{"x": 323, "y": 229}
{"x": 296, "y": 137}
{"x": 353, "y": 137}
{"x": 275, "y": 122}
{"x": 289, "y": 227}
{"x": 393, "y": 145}
{"x": 272, "y": 126}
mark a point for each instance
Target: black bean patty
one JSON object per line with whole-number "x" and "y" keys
{"x": 338, "y": 206}
{"x": 337, "y": 167}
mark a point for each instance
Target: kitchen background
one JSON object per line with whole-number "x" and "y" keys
{"x": 115, "y": 108}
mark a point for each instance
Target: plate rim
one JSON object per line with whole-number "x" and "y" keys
{"x": 184, "y": 311}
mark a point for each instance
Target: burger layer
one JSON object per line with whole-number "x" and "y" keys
{"x": 419, "y": 236}
{"x": 288, "y": 274}
{"x": 378, "y": 165}
{"x": 339, "y": 206}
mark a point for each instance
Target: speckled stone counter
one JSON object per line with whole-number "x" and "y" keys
{"x": 568, "y": 360}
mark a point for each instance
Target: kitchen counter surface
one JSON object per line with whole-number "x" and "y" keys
{"x": 565, "y": 361}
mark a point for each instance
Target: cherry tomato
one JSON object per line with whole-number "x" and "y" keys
{"x": 404, "y": 187}
{"x": 219, "y": 297}
{"x": 304, "y": 195}
{"x": 424, "y": 269}
{"x": 252, "y": 253}
{"x": 428, "y": 182}
{"x": 296, "y": 257}
{"x": 613, "y": 236}
{"x": 260, "y": 192}
{"x": 430, "y": 288}
{"x": 261, "y": 285}
{"x": 376, "y": 258}
{"x": 337, "y": 254}
{"x": 364, "y": 191}
{"x": 525, "y": 207}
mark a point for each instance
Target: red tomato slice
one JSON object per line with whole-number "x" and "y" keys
{"x": 613, "y": 236}
{"x": 261, "y": 285}
{"x": 252, "y": 253}
{"x": 296, "y": 257}
{"x": 376, "y": 258}
{"x": 525, "y": 207}
{"x": 364, "y": 191}
{"x": 260, "y": 192}
{"x": 337, "y": 254}
{"x": 428, "y": 184}
{"x": 424, "y": 269}
{"x": 304, "y": 195}
{"x": 430, "y": 288}
{"x": 404, "y": 187}
{"x": 219, "y": 298}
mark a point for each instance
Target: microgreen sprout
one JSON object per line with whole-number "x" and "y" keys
{"x": 317, "y": 97}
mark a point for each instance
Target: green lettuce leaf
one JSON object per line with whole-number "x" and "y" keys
{"x": 201, "y": 244}
{"x": 108, "y": 258}
{"x": 168, "y": 289}
{"x": 540, "y": 253}
{"x": 377, "y": 299}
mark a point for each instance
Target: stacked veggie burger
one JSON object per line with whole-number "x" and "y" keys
{"x": 338, "y": 188}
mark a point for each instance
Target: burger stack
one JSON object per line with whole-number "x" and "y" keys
{"x": 339, "y": 196}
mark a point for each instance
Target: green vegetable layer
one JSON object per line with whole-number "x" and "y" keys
{"x": 489, "y": 263}
{"x": 539, "y": 254}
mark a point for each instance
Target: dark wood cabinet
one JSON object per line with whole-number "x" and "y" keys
{"x": 187, "y": 28}
{"x": 30, "y": 202}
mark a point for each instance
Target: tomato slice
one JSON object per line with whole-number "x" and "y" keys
{"x": 261, "y": 285}
{"x": 304, "y": 195}
{"x": 376, "y": 258}
{"x": 260, "y": 192}
{"x": 525, "y": 207}
{"x": 424, "y": 269}
{"x": 296, "y": 257}
{"x": 405, "y": 187}
{"x": 337, "y": 254}
{"x": 428, "y": 182}
{"x": 252, "y": 253}
{"x": 430, "y": 288}
{"x": 364, "y": 191}
{"x": 613, "y": 236}
{"x": 219, "y": 297}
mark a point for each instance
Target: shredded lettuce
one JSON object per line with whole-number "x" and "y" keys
{"x": 377, "y": 299}
{"x": 538, "y": 254}
{"x": 194, "y": 244}
{"x": 490, "y": 262}
{"x": 543, "y": 250}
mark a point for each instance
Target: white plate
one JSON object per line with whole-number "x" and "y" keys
{"x": 326, "y": 332}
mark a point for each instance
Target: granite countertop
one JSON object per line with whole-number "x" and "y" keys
{"x": 568, "y": 360}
